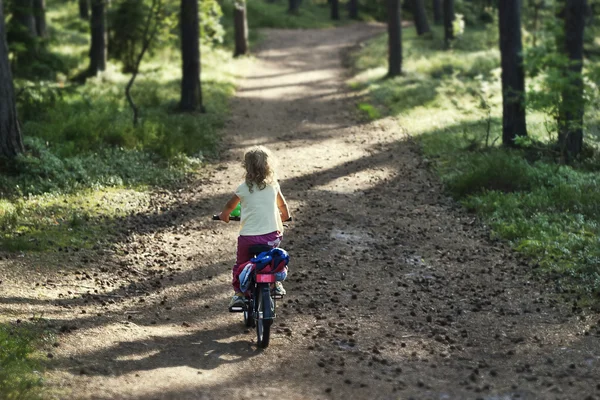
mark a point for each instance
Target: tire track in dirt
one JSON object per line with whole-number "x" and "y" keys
{"x": 394, "y": 291}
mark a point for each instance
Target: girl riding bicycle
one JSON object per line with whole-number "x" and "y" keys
{"x": 263, "y": 210}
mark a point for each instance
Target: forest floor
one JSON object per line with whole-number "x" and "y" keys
{"x": 394, "y": 291}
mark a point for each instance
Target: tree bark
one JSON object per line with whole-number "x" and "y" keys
{"x": 293, "y": 6}
{"x": 570, "y": 123}
{"x": 22, "y": 12}
{"x": 191, "y": 89}
{"x": 241, "y": 28}
{"x": 99, "y": 38}
{"x": 420, "y": 16}
{"x": 335, "y": 9}
{"x": 84, "y": 9}
{"x": 438, "y": 15}
{"x": 394, "y": 38}
{"x": 513, "y": 76}
{"x": 353, "y": 9}
{"x": 11, "y": 143}
{"x": 39, "y": 12}
{"x": 448, "y": 21}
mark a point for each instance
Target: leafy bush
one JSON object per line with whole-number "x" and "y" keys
{"x": 497, "y": 170}
{"x": 18, "y": 376}
{"x": 127, "y": 22}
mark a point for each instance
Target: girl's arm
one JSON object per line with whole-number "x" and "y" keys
{"x": 229, "y": 207}
{"x": 284, "y": 211}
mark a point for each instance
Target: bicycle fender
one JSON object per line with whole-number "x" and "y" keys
{"x": 266, "y": 298}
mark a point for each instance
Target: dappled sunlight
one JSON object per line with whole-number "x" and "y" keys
{"x": 359, "y": 181}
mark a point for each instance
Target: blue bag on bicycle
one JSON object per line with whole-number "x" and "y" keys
{"x": 274, "y": 261}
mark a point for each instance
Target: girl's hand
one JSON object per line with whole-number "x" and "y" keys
{"x": 229, "y": 207}
{"x": 224, "y": 217}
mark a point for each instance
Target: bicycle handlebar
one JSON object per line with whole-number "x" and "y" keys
{"x": 216, "y": 218}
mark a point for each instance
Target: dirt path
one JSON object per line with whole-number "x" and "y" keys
{"x": 394, "y": 292}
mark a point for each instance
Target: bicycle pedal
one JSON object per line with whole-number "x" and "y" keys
{"x": 236, "y": 309}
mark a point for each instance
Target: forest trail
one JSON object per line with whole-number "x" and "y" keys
{"x": 394, "y": 291}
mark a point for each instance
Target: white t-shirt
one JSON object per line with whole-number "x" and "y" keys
{"x": 260, "y": 214}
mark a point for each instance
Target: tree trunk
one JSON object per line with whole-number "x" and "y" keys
{"x": 394, "y": 38}
{"x": 22, "y": 13}
{"x": 293, "y": 6}
{"x": 420, "y": 17}
{"x": 11, "y": 142}
{"x": 437, "y": 12}
{"x": 241, "y": 29}
{"x": 448, "y": 21}
{"x": 353, "y": 9}
{"x": 570, "y": 123}
{"x": 191, "y": 89}
{"x": 99, "y": 38}
{"x": 335, "y": 9}
{"x": 513, "y": 76}
{"x": 39, "y": 12}
{"x": 84, "y": 9}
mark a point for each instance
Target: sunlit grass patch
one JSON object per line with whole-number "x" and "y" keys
{"x": 20, "y": 375}
{"x": 55, "y": 221}
{"x": 369, "y": 111}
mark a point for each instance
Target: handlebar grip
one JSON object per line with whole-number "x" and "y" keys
{"x": 216, "y": 218}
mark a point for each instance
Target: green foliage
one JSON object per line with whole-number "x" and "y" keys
{"x": 260, "y": 14}
{"x": 85, "y": 165}
{"x": 127, "y": 21}
{"x": 41, "y": 170}
{"x": 369, "y": 111}
{"x": 212, "y": 31}
{"x": 81, "y": 219}
{"x": 19, "y": 376}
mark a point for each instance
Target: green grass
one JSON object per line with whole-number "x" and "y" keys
{"x": 451, "y": 101}
{"x": 80, "y": 220}
{"x": 81, "y": 143}
{"x": 20, "y": 378}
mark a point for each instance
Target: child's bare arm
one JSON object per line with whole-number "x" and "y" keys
{"x": 284, "y": 211}
{"x": 229, "y": 207}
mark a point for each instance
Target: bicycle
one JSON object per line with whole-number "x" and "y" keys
{"x": 260, "y": 305}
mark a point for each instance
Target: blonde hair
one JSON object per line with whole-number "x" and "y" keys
{"x": 260, "y": 169}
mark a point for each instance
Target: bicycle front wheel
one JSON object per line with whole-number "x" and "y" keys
{"x": 264, "y": 316}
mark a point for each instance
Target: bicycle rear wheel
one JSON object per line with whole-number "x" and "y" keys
{"x": 248, "y": 318}
{"x": 264, "y": 316}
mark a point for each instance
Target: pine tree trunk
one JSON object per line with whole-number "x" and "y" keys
{"x": 22, "y": 13}
{"x": 84, "y": 9}
{"x": 394, "y": 38}
{"x": 241, "y": 29}
{"x": 353, "y": 9}
{"x": 420, "y": 17}
{"x": 335, "y": 9}
{"x": 438, "y": 15}
{"x": 11, "y": 142}
{"x": 448, "y": 21}
{"x": 39, "y": 12}
{"x": 293, "y": 6}
{"x": 191, "y": 90}
{"x": 570, "y": 124}
{"x": 513, "y": 76}
{"x": 99, "y": 38}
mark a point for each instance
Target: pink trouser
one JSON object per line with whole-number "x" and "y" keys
{"x": 243, "y": 252}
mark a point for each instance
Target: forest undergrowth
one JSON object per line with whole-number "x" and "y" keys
{"x": 451, "y": 101}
